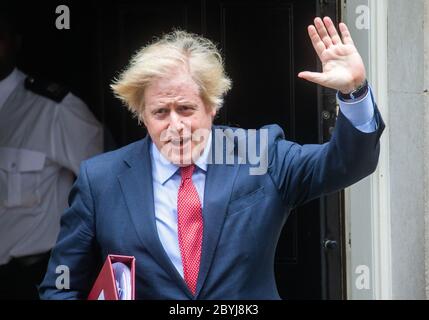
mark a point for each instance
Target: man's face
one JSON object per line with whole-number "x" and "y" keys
{"x": 176, "y": 118}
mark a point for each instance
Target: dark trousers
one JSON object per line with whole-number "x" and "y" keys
{"x": 20, "y": 278}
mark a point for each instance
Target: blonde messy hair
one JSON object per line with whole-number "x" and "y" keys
{"x": 158, "y": 59}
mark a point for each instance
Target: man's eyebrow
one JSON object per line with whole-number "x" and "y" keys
{"x": 159, "y": 104}
{"x": 186, "y": 102}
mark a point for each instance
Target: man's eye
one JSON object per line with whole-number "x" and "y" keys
{"x": 186, "y": 107}
{"x": 161, "y": 111}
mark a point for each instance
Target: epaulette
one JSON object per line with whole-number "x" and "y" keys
{"x": 48, "y": 89}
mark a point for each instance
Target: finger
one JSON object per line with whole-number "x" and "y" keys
{"x": 332, "y": 30}
{"x": 318, "y": 44}
{"x": 340, "y": 50}
{"x": 345, "y": 33}
{"x": 315, "y": 77}
{"x": 323, "y": 33}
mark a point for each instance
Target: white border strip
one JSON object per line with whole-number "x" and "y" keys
{"x": 381, "y": 232}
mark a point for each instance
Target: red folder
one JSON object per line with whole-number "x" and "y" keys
{"x": 104, "y": 287}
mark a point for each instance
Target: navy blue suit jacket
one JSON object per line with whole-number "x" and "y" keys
{"x": 112, "y": 212}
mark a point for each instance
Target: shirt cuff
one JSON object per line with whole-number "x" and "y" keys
{"x": 360, "y": 113}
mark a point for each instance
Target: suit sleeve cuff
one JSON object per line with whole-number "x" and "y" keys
{"x": 360, "y": 113}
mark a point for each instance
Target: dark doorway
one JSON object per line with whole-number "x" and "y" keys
{"x": 265, "y": 45}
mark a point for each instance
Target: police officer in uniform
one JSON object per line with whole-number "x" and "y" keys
{"x": 45, "y": 132}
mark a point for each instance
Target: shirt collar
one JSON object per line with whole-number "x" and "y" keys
{"x": 8, "y": 84}
{"x": 164, "y": 169}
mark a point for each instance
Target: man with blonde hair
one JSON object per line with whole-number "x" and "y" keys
{"x": 200, "y": 226}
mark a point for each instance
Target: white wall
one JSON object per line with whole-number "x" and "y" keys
{"x": 388, "y": 213}
{"x": 407, "y": 147}
{"x": 426, "y": 141}
{"x": 368, "y": 202}
{"x": 358, "y": 207}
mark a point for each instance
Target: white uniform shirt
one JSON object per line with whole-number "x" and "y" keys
{"x": 42, "y": 143}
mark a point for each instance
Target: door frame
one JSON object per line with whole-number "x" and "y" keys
{"x": 332, "y": 209}
{"x": 368, "y": 202}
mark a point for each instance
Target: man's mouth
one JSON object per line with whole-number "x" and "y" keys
{"x": 179, "y": 142}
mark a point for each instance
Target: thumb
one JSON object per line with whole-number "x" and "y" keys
{"x": 315, "y": 77}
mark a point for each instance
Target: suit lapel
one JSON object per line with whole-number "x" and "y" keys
{"x": 137, "y": 188}
{"x": 217, "y": 193}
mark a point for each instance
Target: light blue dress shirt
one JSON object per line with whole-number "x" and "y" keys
{"x": 166, "y": 182}
{"x": 360, "y": 113}
{"x": 166, "y": 178}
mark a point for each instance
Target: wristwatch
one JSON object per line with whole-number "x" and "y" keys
{"x": 356, "y": 94}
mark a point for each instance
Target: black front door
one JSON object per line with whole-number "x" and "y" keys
{"x": 265, "y": 45}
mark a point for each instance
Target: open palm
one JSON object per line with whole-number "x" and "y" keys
{"x": 343, "y": 68}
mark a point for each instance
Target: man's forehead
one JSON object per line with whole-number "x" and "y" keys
{"x": 173, "y": 89}
{"x": 164, "y": 100}
{"x": 175, "y": 83}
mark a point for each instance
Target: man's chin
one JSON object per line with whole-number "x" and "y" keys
{"x": 181, "y": 156}
{"x": 180, "y": 160}
{"x": 177, "y": 155}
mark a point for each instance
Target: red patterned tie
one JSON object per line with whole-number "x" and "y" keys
{"x": 190, "y": 227}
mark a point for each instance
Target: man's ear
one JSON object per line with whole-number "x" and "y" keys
{"x": 143, "y": 122}
{"x": 142, "y": 119}
{"x": 213, "y": 112}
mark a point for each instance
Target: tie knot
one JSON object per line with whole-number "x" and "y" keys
{"x": 186, "y": 172}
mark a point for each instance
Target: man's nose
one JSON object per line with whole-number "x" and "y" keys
{"x": 176, "y": 122}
